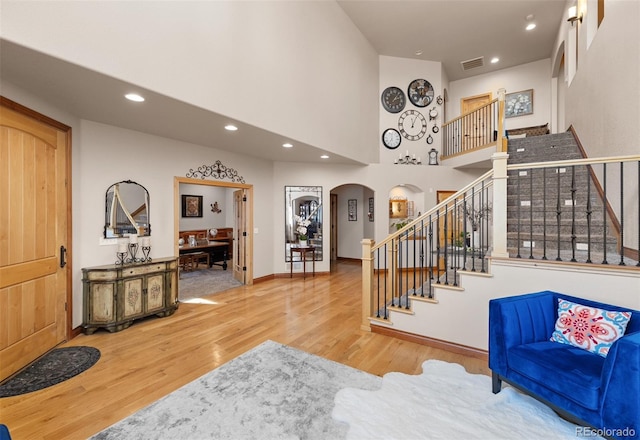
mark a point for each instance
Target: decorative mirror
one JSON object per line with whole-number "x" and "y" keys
{"x": 303, "y": 219}
{"x": 126, "y": 210}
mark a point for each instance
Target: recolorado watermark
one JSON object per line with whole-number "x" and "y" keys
{"x": 585, "y": 431}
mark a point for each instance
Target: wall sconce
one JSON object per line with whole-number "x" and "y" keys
{"x": 573, "y": 15}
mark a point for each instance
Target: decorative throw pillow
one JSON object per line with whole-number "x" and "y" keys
{"x": 589, "y": 328}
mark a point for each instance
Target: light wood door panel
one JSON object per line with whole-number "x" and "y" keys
{"x": 240, "y": 228}
{"x": 33, "y": 226}
{"x": 473, "y": 126}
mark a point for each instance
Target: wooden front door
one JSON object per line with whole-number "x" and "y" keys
{"x": 34, "y": 232}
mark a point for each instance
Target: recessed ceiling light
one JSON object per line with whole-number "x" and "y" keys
{"x": 134, "y": 97}
{"x": 530, "y": 26}
{"x": 494, "y": 60}
{"x": 230, "y": 127}
{"x": 418, "y": 52}
{"x": 324, "y": 156}
{"x": 287, "y": 145}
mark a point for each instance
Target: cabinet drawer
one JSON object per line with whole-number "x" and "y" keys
{"x": 141, "y": 270}
{"x": 102, "y": 275}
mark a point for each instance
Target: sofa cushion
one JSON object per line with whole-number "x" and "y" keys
{"x": 589, "y": 328}
{"x": 572, "y": 372}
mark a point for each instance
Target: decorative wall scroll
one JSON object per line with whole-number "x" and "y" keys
{"x": 216, "y": 171}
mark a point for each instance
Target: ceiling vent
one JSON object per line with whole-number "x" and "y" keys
{"x": 472, "y": 64}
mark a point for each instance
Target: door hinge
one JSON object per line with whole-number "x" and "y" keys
{"x": 244, "y": 268}
{"x": 244, "y": 233}
{"x": 65, "y": 307}
{"x": 244, "y": 198}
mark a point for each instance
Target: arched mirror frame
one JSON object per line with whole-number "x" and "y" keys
{"x": 131, "y": 212}
{"x": 305, "y": 201}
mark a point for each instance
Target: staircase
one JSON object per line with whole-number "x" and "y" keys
{"x": 557, "y": 213}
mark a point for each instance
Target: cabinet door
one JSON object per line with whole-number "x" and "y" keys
{"x": 155, "y": 292}
{"x": 102, "y": 304}
{"x": 132, "y": 297}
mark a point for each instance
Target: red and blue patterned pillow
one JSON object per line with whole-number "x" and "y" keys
{"x": 589, "y": 328}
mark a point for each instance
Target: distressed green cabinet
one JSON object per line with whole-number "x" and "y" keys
{"x": 115, "y": 296}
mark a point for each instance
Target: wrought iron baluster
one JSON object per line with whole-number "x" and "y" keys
{"x": 446, "y": 245}
{"x": 430, "y": 257}
{"x": 386, "y": 280}
{"x": 589, "y": 212}
{"x": 573, "y": 213}
{"x": 558, "y": 214}
{"x": 378, "y": 286}
{"x": 484, "y": 198}
{"x": 530, "y": 213}
{"x": 604, "y": 214}
{"x": 438, "y": 248}
{"x": 621, "y": 215}
{"x": 474, "y": 226}
{"x": 406, "y": 269}
{"x": 398, "y": 293}
{"x": 456, "y": 230}
{"x": 422, "y": 260}
{"x": 518, "y": 217}
{"x": 544, "y": 213}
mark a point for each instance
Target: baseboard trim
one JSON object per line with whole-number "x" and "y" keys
{"x": 263, "y": 279}
{"x": 431, "y": 342}
{"x": 347, "y": 259}
{"x": 299, "y": 274}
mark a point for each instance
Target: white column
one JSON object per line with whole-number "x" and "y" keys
{"x": 499, "y": 246}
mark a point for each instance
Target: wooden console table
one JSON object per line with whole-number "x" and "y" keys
{"x": 303, "y": 251}
{"x": 116, "y": 295}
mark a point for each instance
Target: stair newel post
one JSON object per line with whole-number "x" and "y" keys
{"x": 502, "y": 144}
{"x": 499, "y": 205}
{"x": 367, "y": 283}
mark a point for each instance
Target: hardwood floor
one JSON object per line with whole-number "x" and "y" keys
{"x": 320, "y": 315}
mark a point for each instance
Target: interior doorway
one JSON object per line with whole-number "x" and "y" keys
{"x": 238, "y": 208}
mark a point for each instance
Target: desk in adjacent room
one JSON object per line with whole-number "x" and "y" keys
{"x": 217, "y": 251}
{"x": 303, "y": 251}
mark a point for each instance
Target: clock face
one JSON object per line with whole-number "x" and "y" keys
{"x": 393, "y": 99}
{"x": 412, "y": 125}
{"x": 420, "y": 92}
{"x": 391, "y": 138}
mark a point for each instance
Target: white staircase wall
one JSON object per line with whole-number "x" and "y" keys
{"x": 462, "y": 317}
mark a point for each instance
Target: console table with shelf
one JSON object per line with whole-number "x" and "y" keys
{"x": 116, "y": 295}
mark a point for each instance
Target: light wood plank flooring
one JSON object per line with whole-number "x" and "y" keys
{"x": 320, "y": 315}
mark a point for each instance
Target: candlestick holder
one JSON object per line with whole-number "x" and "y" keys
{"x": 145, "y": 254}
{"x": 133, "y": 251}
{"x": 120, "y": 261}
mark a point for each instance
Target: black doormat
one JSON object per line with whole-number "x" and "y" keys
{"x": 54, "y": 367}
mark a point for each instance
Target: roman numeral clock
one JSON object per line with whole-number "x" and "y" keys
{"x": 412, "y": 124}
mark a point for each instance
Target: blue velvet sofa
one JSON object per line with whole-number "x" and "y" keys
{"x": 586, "y": 388}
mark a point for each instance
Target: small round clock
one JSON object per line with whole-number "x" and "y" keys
{"x": 420, "y": 92}
{"x": 412, "y": 125}
{"x": 393, "y": 99}
{"x": 391, "y": 138}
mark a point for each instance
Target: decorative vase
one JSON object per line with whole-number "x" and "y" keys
{"x": 303, "y": 243}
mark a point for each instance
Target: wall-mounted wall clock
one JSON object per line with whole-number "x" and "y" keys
{"x": 429, "y": 140}
{"x": 435, "y": 129}
{"x": 412, "y": 125}
{"x": 393, "y": 99}
{"x": 420, "y": 92}
{"x": 391, "y": 138}
{"x": 433, "y": 114}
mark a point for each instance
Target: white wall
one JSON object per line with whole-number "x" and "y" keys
{"x": 462, "y": 317}
{"x": 350, "y": 233}
{"x": 399, "y": 72}
{"x": 209, "y": 219}
{"x": 536, "y": 76}
{"x": 294, "y": 68}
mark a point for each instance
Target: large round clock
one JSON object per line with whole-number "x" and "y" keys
{"x": 391, "y": 138}
{"x": 393, "y": 99}
{"x": 412, "y": 125}
{"x": 420, "y": 92}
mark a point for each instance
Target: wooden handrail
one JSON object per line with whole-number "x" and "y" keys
{"x": 470, "y": 113}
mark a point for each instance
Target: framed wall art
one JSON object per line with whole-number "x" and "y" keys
{"x": 518, "y": 104}
{"x": 370, "y": 214}
{"x": 398, "y": 209}
{"x": 191, "y": 206}
{"x": 352, "y": 210}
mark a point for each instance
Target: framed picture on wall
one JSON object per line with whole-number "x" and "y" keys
{"x": 518, "y": 103}
{"x": 370, "y": 209}
{"x": 191, "y": 206}
{"x": 352, "y": 210}
{"x": 398, "y": 209}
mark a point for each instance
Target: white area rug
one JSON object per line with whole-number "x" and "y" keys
{"x": 270, "y": 392}
{"x": 446, "y": 402}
